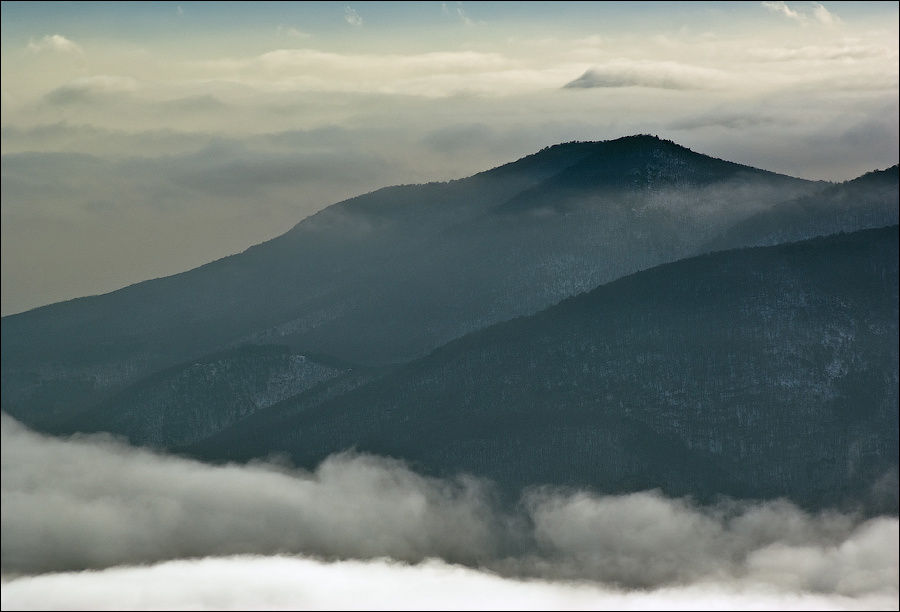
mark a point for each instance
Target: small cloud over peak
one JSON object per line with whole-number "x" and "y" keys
{"x": 606, "y": 78}
{"x": 352, "y": 17}
{"x": 54, "y": 42}
{"x": 815, "y": 12}
{"x": 658, "y": 75}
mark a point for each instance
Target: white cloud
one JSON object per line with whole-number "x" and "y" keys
{"x": 91, "y": 502}
{"x": 123, "y": 505}
{"x": 432, "y": 74}
{"x": 780, "y": 6}
{"x": 837, "y": 50}
{"x": 54, "y": 42}
{"x": 292, "y": 583}
{"x": 387, "y": 65}
{"x": 352, "y": 17}
{"x": 815, "y": 12}
{"x": 822, "y": 14}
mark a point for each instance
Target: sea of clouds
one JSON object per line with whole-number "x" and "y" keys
{"x": 89, "y": 522}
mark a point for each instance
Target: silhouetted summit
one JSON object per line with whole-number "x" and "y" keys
{"x": 629, "y": 166}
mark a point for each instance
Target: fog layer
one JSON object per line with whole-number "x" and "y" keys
{"x": 92, "y": 502}
{"x": 273, "y": 583}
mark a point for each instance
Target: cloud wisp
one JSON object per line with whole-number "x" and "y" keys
{"x": 54, "y": 42}
{"x": 352, "y": 17}
{"x": 91, "y": 502}
{"x": 816, "y": 12}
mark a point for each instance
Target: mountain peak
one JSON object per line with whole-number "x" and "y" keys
{"x": 886, "y": 177}
{"x": 632, "y": 150}
{"x": 634, "y": 141}
{"x": 633, "y": 163}
{"x": 618, "y": 160}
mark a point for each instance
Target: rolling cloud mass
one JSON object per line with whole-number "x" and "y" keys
{"x": 281, "y": 537}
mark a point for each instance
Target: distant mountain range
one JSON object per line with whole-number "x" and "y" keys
{"x": 757, "y": 372}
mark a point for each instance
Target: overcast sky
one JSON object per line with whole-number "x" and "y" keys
{"x": 143, "y": 139}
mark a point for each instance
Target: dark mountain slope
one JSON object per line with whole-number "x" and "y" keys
{"x": 759, "y": 372}
{"x": 191, "y": 401}
{"x": 637, "y": 165}
{"x": 390, "y": 275}
{"x": 61, "y": 359}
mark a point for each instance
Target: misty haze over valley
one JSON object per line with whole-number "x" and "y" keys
{"x": 550, "y": 320}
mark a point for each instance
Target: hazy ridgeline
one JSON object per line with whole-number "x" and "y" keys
{"x": 573, "y": 381}
{"x": 756, "y": 373}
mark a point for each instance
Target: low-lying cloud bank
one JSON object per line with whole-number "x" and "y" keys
{"x": 273, "y": 583}
{"x": 91, "y": 502}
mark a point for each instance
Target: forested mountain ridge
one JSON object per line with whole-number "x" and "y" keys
{"x": 761, "y": 372}
{"x": 384, "y": 278}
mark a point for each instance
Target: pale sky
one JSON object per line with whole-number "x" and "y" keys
{"x": 144, "y": 139}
